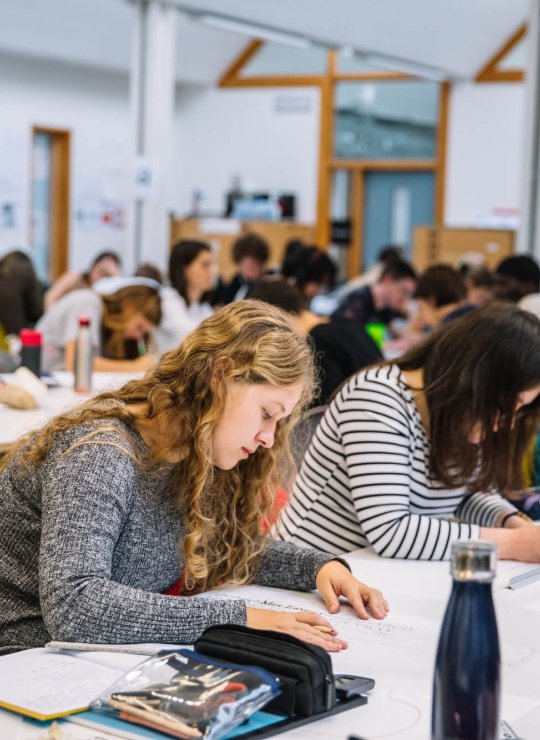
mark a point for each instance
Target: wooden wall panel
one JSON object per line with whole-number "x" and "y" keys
{"x": 276, "y": 233}
{"x": 433, "y": 245}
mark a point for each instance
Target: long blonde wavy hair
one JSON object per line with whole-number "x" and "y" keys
{"x": 246, "y": 342}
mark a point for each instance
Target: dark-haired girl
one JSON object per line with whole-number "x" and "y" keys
{"x": 192, "y": 273}
{"x": 409, "y": 454}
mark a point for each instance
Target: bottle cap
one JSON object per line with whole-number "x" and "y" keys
{"x": 84, "y": 321}
{"x": 473, "y": 561}
{"x": 30, "y": 338}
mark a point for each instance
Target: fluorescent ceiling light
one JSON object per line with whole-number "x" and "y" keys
{"x": 254, "y": 30}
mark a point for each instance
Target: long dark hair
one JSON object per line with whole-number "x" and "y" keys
{"x": 182, "y": 255}
{"x": 474, "y": 371}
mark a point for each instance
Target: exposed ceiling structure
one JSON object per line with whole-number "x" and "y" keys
{"x": 454, "y": 38}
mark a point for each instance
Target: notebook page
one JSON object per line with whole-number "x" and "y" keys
{"x": 43, "y": 684}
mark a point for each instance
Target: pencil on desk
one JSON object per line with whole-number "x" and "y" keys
{"x": 322, "y": 628}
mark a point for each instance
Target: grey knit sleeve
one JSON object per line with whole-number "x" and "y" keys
{"x": 86, "y": 498}
{"x": 285, "y": 565}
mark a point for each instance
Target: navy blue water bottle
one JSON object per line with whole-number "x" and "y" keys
{"x": 466, "y": 684}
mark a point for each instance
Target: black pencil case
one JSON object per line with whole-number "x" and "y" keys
{"x": 309, "y": 688}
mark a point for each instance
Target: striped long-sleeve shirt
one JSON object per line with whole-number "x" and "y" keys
{"x": 365, "y": 480}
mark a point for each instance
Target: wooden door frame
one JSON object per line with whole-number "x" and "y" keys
{"x": 60, "y": 197}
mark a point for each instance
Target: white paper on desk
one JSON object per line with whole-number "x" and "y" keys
{"x": 404, "y": 630}
{"x": 44, "y": 685}
{"x": 400, "y": 629}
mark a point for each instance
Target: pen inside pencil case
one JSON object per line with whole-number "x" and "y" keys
{"x": 187, "y": 695}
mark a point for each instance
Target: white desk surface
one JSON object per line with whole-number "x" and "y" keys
{"x": 16, "y": 422}
{"x": 399, "y": 654}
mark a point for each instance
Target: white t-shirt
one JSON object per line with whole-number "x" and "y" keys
{"x": 177, "y": 319}
{"x": 60, "y": 324}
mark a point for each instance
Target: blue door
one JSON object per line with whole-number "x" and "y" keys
{"x": 41, "y": 203}
{"x": 395, "y": 202}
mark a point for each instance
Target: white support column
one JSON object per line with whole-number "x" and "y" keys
{"x": 152, "y": 97}
{"x": 529, "y": 232}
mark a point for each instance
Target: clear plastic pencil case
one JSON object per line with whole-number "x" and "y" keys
{"x": 188, "y": 695}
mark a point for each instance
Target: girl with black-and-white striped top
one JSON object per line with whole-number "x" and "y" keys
{"x": 404, "y": 455}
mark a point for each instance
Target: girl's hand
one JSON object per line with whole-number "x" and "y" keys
{"x": 303, "y": 625}
{"x": 335, "y": 580}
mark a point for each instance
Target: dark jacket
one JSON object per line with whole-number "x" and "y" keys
{"x": 341, "y": 349}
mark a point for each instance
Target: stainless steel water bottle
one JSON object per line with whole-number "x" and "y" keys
{"x": 83, "y": 357}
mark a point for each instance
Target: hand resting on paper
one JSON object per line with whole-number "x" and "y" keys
{"x": 305, "y": 626}
{"x": 333, "y": 580}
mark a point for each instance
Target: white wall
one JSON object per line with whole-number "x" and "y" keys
{"x": 221, "y": 133}
{"x": 93, "y": 105}
{"x": 486, "y": 137}
{"x": 226, "y": 132}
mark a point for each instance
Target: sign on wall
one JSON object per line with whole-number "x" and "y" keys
{"x": 144, "y": 180}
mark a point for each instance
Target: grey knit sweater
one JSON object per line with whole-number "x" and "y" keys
{"x": 89, "y": 541}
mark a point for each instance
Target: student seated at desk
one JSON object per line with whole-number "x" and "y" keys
{"x": 250, "y": 253}
{"x": 105, "y": 264}
{"x": 383, "y": 302}
{"x": 339, "y": 347}
{"x": 123, "y": 313}
{"x": 404, "y": 457}
{"x": 106, "y": 506}
{"x": 185, "y": 303}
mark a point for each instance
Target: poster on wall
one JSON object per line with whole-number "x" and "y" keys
{"x": 12, "y": 158}
{"x": 99, "y": 202}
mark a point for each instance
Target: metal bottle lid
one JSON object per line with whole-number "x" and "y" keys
{"x": 473, "y": 561}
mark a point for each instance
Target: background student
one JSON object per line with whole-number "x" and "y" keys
{"x": 310, "y": 268}
{"x": 21, "y": 302}
{"x": 382, "y": 302}
{"x": 440, "y": 297}
{"x": 105, "y": 507}
{"x": 122, "y": 320}
{"x": 405, "y": 456}
{"x": 339, "y": 347}
{"x": 186, "y": 302}
{"x": 250, "y": 254}
{"x": 516, "y": 277}
{"x": 106, "y": 264}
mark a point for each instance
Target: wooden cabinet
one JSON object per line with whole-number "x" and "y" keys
{"x": 436, "y": 244}
{"x": 222, "y": 234}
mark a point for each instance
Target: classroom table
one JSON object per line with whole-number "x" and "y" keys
{"x": 16, "y": 422}
{"x": 399, "y": 653}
